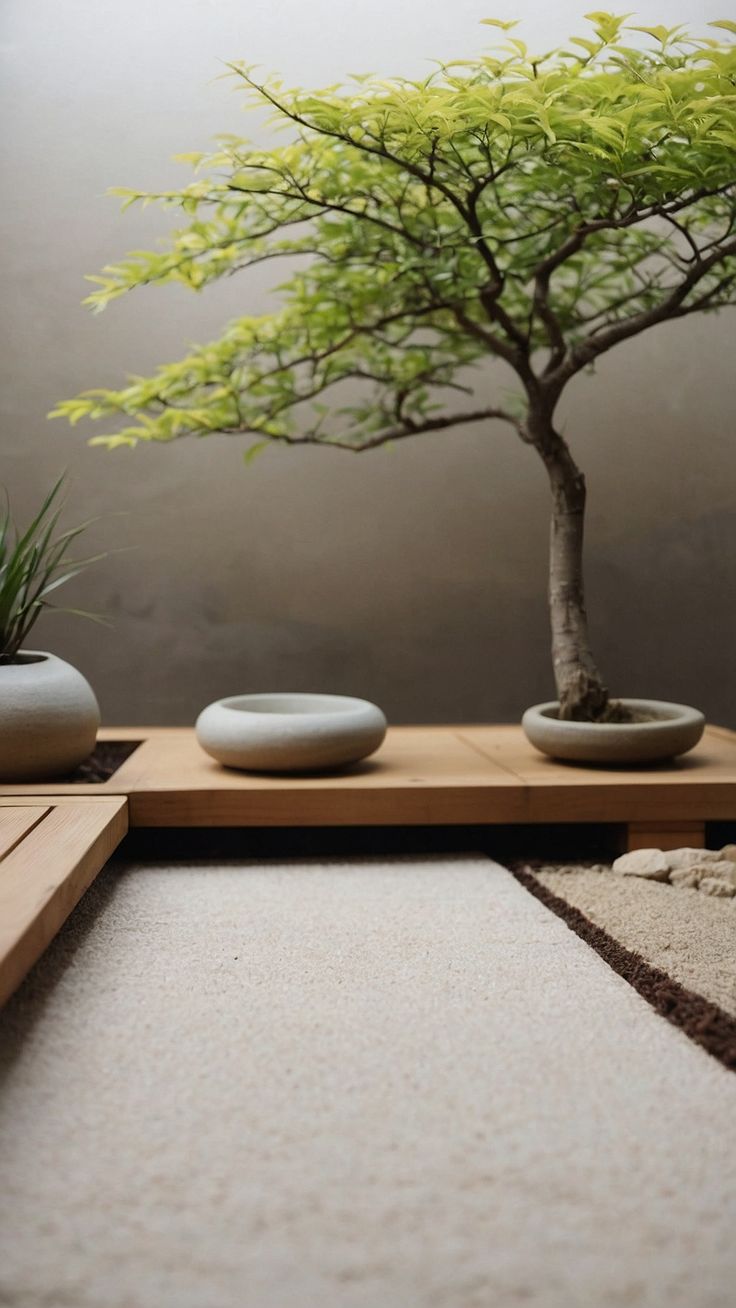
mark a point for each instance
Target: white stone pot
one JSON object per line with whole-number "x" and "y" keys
{"x": 290, "y": 732}
{"x": 48, "y": 717}
{"x": 675, "y": 729}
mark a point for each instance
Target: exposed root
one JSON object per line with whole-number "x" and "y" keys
{"x": 612, "y": 711}
{"x": 584, "y": 699}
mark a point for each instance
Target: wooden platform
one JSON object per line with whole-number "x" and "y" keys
{"x": 422, "y": 775}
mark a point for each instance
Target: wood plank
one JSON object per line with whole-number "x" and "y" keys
{"x": 665, "y": 835}
{"x": 16, "y": 822}
{"x": 20, "y": 801}
{"x": 700, "y": 786}
{"x": 44, "y": 877}
{"x": 724, "y": 732}
{"x": 420, "y": 775}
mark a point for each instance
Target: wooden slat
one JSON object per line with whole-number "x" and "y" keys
{"x": 16, "y": 822}
{"x": 20, "y": 801}
{"x": 45, "y": 875}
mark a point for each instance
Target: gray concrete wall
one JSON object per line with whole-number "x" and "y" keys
{"x": 414, "y": 576}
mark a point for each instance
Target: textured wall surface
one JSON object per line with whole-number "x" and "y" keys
{"x": 414, "y": 576}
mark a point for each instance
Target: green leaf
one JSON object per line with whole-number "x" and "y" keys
{"x": 193, "y": 157}
{"x": 33, "y": 563}
{"x": 254, "y": 450}
{"x": 607, "y": 26}
{"x": 591, "y": 46}
{"x": 660, "y": 33}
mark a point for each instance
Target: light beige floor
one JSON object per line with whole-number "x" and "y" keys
{"x": 363, "y": 1085}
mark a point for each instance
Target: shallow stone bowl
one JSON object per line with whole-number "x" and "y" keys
{"x": 673, "y": 730}
{"x": 290, "y": 732}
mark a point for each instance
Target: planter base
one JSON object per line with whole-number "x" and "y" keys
{"x": 48, "y": 718}
{"x": 672, "y": 729}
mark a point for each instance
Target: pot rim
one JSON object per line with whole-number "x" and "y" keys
{"x": 314, "y": 704}
{"x": 677, "y": 714}
{"x": 27, "y": 657}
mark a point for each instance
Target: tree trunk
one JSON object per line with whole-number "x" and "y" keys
{"x": 580, "y": 688}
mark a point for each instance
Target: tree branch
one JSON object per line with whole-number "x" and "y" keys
{"x": 331, "y": 206}
{"x": 584, "y": 352}
{"x": 465, "y": 206}
{"x": 575, "y": 242}
{"x": 380, "y": 150}
{"x": 684, "y": 232}
{"x": 516, "y": 358}
{"x": 399, "y": 432}
{"x": 705, "y": 300}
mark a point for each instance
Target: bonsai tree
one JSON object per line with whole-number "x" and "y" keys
{"x": 536, "y": 210}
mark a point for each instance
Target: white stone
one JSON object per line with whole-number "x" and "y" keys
{"x": 716, "y": 886}
{"x": 691, "y": 873}
{"x": 684, "y": 877}
{"x": 677, "y": 858}
{"x": 650, "y": 863}
{"x": 723, "y": 870}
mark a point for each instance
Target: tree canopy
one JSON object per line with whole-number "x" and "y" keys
{"x": 538, "y": 209}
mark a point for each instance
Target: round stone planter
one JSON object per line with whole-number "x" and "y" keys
{"x": 290, "y": 732}
{"x": 48, "y": 717}
{"x": 674, "y": 729}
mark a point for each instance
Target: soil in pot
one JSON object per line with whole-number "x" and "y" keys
{"x": 616, "y": 711}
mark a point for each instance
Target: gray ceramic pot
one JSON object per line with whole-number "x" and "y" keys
{"x": 290, "y": 733}
{"x": 674, "y": 730}
{"x": 48, "y": 717}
